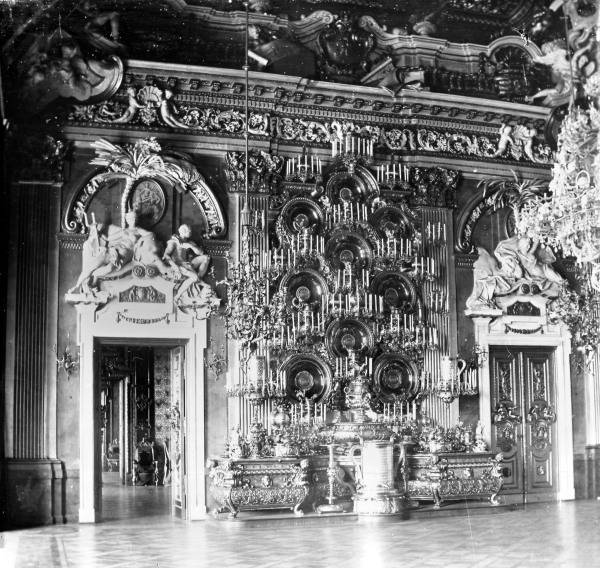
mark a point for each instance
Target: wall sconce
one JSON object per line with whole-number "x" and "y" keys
{"x": 216, "y": 362}
{"x": 67, "y": 361}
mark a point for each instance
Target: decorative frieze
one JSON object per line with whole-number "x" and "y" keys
{"x": 301, "y": 111}
{"x": 516, "y": 143}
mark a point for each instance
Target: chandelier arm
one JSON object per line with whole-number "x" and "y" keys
{"x": 246, "y": 99}
{"x": 570, "y": 58}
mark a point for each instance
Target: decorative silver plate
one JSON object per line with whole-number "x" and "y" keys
{"x": 357, "y": 187}
{"x": 391, "y": 218}
{"x": 308, "y": 374}
{"x": 397, "y": 289}
{"x": 346, "y": 247}
{"x": 343, "y": 336}
{"x": 298, "y": 214}
{"x": 304, "y": 287}
{"x": 394, "y": 377}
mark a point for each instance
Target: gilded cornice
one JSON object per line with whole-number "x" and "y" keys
{"x": 297, "y": 111}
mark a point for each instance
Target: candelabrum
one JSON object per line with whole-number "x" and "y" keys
{"x": 470, "y": 384}
{"x": 352, "y": 149}
{"x": 304, "y": 170}
{"x": 403, "y": 333}
{"x": 341, "y": 269}
{"x": 332, "y": 471}
{"x": 216, "y": 362}
{"x": 357, "y": 389}
{"x": 393, "y": 176}
{"x": 253, "y": 311}
{"x": 435, "y": 233}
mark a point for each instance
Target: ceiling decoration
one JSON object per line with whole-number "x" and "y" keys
{"x": 340, "y": 41}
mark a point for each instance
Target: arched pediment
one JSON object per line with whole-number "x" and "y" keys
{"x": 143, "y": 161}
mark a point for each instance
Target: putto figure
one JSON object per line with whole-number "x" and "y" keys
{"x": 187, "y": 259}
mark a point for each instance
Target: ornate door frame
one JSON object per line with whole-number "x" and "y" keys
{"x": 95, "y": 325}
{"x": 532, "y": 331}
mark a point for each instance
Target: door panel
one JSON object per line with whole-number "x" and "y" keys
{"x": 523, "y": 418}
{"x": 540, "y": 429}
{"x": 507, "y": 418}
{"x": 177, "y": 432}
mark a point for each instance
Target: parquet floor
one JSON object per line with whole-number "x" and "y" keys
{"x": 557, "y": 534}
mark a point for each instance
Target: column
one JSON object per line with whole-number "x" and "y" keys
{"x": 33, "y": 482}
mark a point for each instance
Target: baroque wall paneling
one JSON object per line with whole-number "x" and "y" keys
{"x": 133, "y": 288}
{"x": 343, "y": 262}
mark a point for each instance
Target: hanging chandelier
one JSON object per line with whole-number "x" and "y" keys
{"x": 567, "y": 218}
{"x": 252, "y": 313}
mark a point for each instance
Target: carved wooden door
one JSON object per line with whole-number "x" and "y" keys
{"x": 523, "y": 421}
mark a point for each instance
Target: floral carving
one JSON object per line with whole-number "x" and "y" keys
{"x": 264, "y": 171}
{"x": 155, "y": 107}
{"x": 580, "y": 312}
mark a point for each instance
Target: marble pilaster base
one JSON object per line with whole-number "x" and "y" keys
{"x": 590, "y": 484}
{"x": 33, "y": 492}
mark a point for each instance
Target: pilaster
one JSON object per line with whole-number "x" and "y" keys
{"x": 30, "y": 368}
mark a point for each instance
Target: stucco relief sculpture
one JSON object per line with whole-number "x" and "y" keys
{"x": 80, "y": 63}
{"x": 112, "y": 251}
{"x": 554, "y": 55}
{"x": 573, "y": 60}
{"x": 519, "y": 266}
{"x": 190, "y": 264}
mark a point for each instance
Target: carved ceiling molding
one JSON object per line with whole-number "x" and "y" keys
{"x": 492, "y": 14}
{"x": 281, "y": 110}
{"x": 457, "y": 142}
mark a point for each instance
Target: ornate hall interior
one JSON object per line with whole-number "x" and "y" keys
{"x": 290, "y": 271}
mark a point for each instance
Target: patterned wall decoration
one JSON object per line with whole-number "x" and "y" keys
{"x": 162, "y": 394}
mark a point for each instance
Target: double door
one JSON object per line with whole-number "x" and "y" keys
{"x": 524, "y": 421}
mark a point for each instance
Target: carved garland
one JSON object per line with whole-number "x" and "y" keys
{"x": 467, "y": 221}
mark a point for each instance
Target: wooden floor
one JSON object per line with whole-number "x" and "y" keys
{"x": 138, "y": 531}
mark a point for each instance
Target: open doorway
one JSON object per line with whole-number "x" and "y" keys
{"x": 140, "y": 445}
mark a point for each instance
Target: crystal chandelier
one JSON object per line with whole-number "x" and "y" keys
{"x": 568, "y": 218}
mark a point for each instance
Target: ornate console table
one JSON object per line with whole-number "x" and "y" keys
{"x": 453, "y": 476}
{"x": 257, "y": 484}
